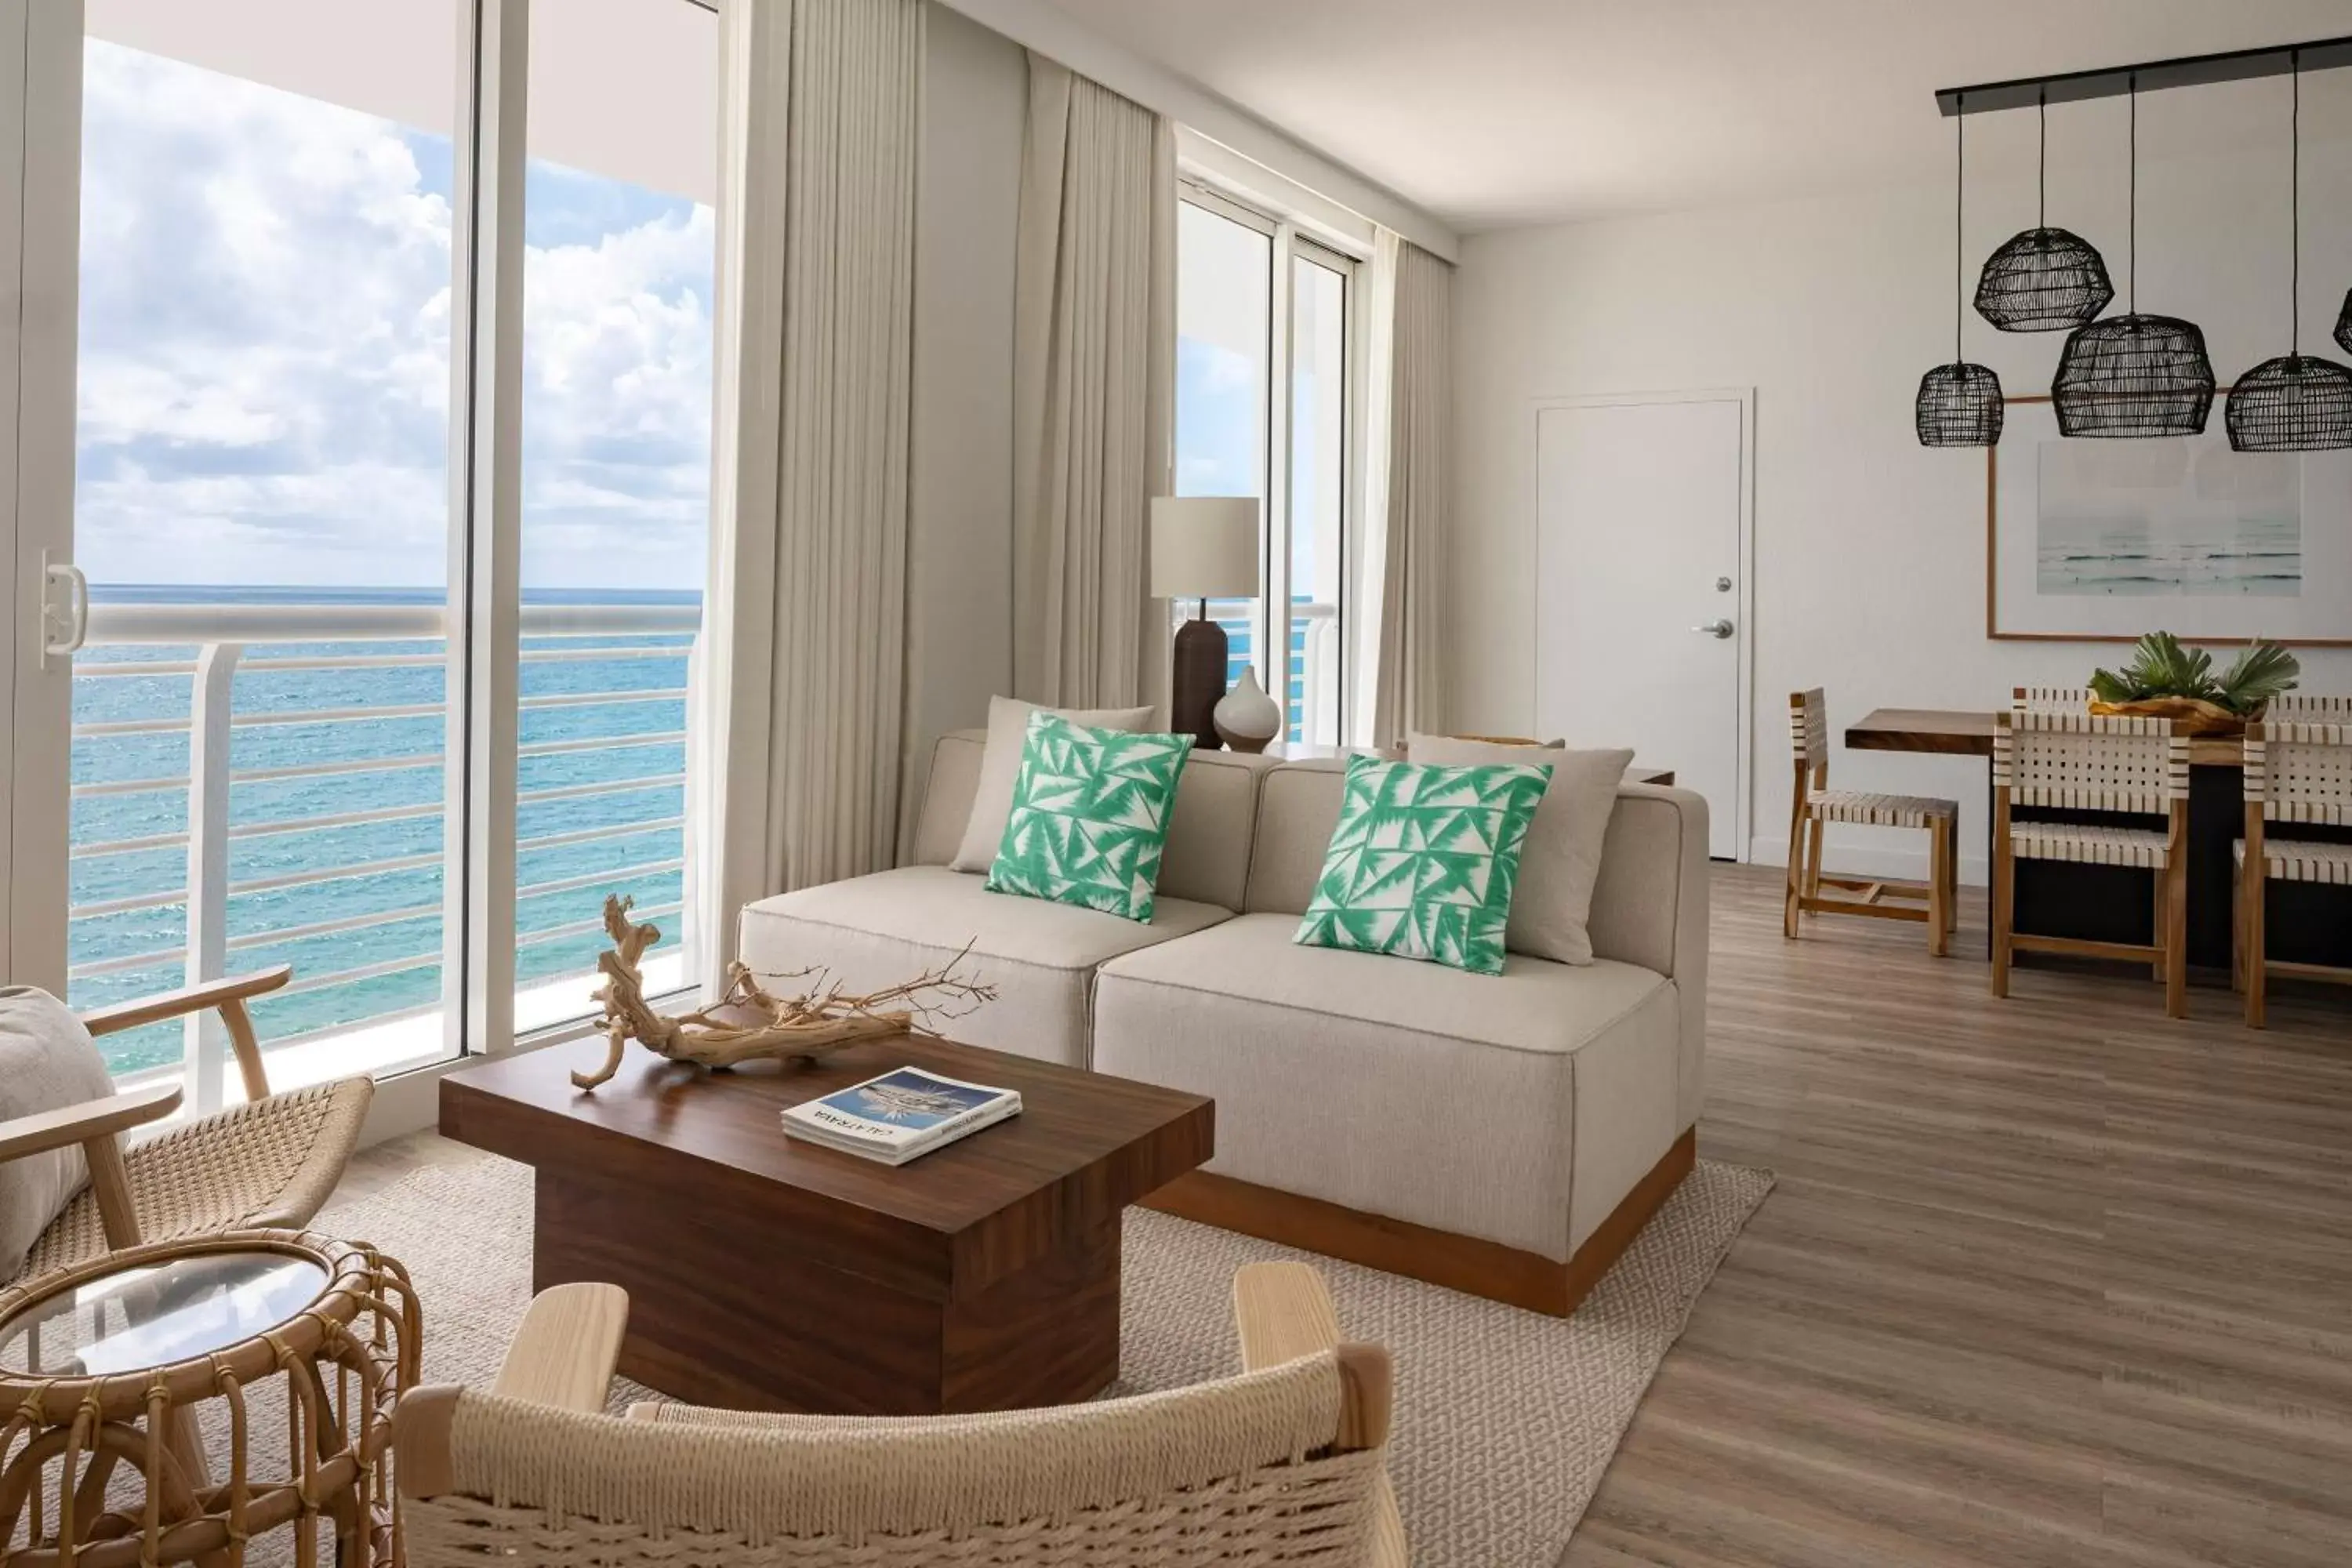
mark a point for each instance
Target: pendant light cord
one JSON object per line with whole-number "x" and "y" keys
{"x": 2042, "y": 164}
{"x": 1959, "y": 216}
{"x": 2294, "y": 207}
{"x": 2131, "y": 275}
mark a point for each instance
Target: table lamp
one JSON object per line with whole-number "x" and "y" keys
{"x": 1203, "y": 548}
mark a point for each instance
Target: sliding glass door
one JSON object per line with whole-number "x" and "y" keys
{"x": 1265, "y": 407}
{"x": 289, "y": 371}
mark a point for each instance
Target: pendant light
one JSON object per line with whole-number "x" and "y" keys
{"x": 1960, "y": 405}
{"x": 2134, "y": 374}
{"x": 2344, "y": 324}
{"x": 2045, "y": 279}
{"x": 2294, "y": 403}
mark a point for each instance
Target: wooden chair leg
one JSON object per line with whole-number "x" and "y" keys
{"x": 1952, "y": 875}
{"x": 2238, "y": 933}
{"x": 1939, "y": 859}
{"x": 1814, "y": 858}
{"x": 2175, "y": 937}
{"x": 1789, "y": 911}
{"x": 2162, "y": 906}
{"x": 2257, "y": 962}
{"x": 2004, "y": 910}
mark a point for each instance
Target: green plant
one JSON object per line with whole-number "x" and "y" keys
{"x": 2162, "y": 667}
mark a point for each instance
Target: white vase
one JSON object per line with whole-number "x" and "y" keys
{"x": 1247, "y": 717}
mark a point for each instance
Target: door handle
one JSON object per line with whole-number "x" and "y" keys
{"x": 1717, "y": 629}
{"x": 64, "y": 627}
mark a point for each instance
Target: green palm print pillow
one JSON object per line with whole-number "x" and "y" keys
{"x": 1423, "y": 861}
{"x": 1089, "y": 816}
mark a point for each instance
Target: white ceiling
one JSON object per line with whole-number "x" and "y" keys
{"x": 1490, "y": 113}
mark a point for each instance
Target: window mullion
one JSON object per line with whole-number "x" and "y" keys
{"x": 1274, "y": 629}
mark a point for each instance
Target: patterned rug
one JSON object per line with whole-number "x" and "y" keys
{"x": 1505, "y": 1420}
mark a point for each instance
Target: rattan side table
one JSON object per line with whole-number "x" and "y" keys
{"x": 99, "y": 1360}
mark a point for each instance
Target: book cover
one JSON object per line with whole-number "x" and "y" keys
{"x": 901, "y": 1113}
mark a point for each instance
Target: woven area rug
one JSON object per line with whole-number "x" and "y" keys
{"x": 1504, "y": 1419}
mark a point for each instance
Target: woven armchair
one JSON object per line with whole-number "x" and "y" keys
{"x": 1280, "y": 1465}
{"x": 271, "y": 1162}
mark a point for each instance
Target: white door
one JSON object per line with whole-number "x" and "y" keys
{"x": 1641, "y": 592}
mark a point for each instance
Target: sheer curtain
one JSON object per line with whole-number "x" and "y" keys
{"x": 1408, "y": 424}
{"x": 1093, "y": 389}
{"x": 804, "y": 643}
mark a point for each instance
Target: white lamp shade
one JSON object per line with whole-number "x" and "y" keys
{"x": 1204, "y": 547}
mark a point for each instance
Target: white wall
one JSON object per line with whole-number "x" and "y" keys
{"x": 1869, "y": 549}
{"x": 960, "y": 523}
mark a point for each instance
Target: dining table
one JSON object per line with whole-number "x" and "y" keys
{"x": 2305, "y": 922}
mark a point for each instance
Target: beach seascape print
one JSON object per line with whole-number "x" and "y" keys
{"x": 2168, "y": 519}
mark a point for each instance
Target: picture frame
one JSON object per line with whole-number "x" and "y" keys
{"x": 2094, "y": 541}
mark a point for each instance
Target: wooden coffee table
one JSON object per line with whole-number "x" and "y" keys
{"x": 766, "y": 1274}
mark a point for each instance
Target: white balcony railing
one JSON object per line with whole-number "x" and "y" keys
{"x": 334, "y": 871}
{"x": 1311, "y": 703}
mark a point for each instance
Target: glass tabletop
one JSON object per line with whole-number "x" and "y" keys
{"x": 139, "y": 1318}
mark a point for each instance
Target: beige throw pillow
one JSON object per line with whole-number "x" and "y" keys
{"x": 48, "y": 1061}
{"x": 1560, "y": 860}
{"x": 1000, "y": 766}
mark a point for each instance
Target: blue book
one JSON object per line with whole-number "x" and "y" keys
{"x": 899, "y": 1115}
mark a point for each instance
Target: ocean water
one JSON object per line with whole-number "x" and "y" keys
{"x": 629, "y": 862}
{"x": 2254, "y": 558}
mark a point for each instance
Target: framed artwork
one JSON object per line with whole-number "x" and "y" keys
{"x": 2101, "y": 541}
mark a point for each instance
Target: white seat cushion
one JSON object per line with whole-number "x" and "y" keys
{"x": 2303, "y": 860}
{"x": 2092, "y": 843}
{"x": 1520, "y": 1108}
{"x": 872, "y": 931}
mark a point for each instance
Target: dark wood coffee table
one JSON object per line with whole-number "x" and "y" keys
{"x": 766, "y": 1274}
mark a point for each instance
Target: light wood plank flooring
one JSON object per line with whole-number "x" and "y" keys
{"x": 2054, "y": 1281}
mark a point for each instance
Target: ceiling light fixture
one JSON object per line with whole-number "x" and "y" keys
{"x": 2045, "y": 279}
{"x": 1960, "y": 405}
{"x": 2133, "y": 374}
{"x": 2296, "y": 402}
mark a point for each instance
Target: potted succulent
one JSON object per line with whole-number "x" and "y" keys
{"x": 2167, "y": 681}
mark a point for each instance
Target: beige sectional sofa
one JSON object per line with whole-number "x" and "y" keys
{"x": 1503, "y": 1135}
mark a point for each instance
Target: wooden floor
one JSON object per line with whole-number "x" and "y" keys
{"x": 2054, "y": 1281}
{"x": 2051, "y": 1280}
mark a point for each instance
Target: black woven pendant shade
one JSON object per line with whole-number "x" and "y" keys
{"x": 2296, "y": 402}
{"x": 1960, "y": 405}
{"x": 2134, "y": 374}
{"x": 2292, "y": 404}
{"x": 2344, "y": 324}
{"x": 2045, "y": 279}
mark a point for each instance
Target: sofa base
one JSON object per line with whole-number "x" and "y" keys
{"x": 1462, "y": 1263}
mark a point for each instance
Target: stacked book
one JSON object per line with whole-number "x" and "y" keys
{"x": 901, "y": 1115}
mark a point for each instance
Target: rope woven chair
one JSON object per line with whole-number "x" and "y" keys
{"x": 270, "y": 1163}
{"x": 2050, "y": 699}
{"x": 2086, "y": 762}
{"x": 2300, "y": 707}
{"x": 1280, "y": 1465}
{"x": 2295, "y": 772}
{"x": 1812, "y": 805}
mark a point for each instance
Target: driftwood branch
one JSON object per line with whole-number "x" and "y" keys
{"x": 748, "y": 1023}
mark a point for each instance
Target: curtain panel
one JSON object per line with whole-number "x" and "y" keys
{"x": 1093, "y": 389}
{"x": 802, "y": 668}
{"x": 1408, "y": 429}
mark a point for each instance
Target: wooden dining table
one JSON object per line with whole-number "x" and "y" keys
{"x": 2111, "y": 903}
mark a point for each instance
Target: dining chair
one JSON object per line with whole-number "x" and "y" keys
{"x": 2050, "y": 699}
{"x": 1285, "y": 1463}
{"x": 1812, "y": 805}
{"x": 2295, "y": 774}
{"x": 2086, "y": 762}
{"x": 2305, "y": 708}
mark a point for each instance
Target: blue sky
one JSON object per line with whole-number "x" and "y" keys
{"x": 265, "y": 349}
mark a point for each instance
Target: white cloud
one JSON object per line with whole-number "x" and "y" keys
{"x": 264, "y": 376}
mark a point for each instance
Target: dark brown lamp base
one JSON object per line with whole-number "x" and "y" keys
{"x": 1197, "y": 682}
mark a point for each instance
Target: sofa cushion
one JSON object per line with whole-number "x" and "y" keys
{"x": 872, "y": 931}
{"x": 47, "y": 1062}
{"x": 1519, "y": 1107}
{"x": 1000, "y": 764}
{"x": 1089, "y": 820}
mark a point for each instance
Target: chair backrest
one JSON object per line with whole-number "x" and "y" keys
{"x": 1274, "y": 1466}
{"x": 2050, "y": 699}
{"x": 1809, "y": 728}
{"x": 2300, "y": 773}
{"x": 2089, "y": 762}
{"x": 2305, "y": 708}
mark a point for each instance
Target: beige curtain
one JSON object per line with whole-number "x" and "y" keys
{"x": 801, "y": 668}
{"x": 1093, "y": 390}
{"x": 1409, "y": 423}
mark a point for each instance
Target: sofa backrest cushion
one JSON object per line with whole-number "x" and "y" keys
{"x": 1207, "y": 859}
{"x": 1634, "y": 902}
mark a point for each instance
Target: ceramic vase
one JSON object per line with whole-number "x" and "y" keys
{"x": 1247, "y": 717}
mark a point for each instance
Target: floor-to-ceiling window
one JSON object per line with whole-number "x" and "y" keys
{"x": 1262, "y": 402}
{"x": 266, "y": 750}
